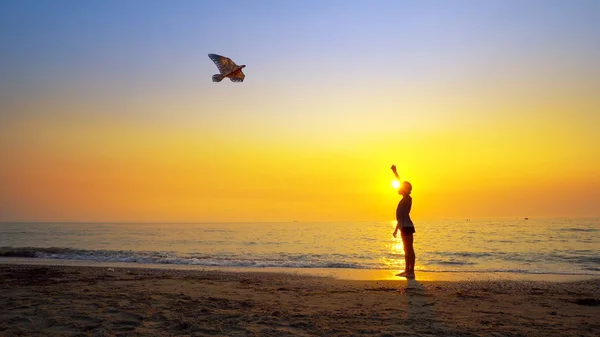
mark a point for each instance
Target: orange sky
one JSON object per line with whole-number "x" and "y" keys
{"x": 119, "y": 170}
{"x": 487, "y": 126}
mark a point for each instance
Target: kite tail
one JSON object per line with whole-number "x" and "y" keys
{"x": 217, "y": 78}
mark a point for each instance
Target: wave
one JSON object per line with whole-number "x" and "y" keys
{"x": 152, "y": 257}
{"x": 513, "y": 271}
{"x": 469, "y": 254}
{"x": 282, "y": 260}
{"x": 452, "y": 263}
{"x": 576, "y": 229}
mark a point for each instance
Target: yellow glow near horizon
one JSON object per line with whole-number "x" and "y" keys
{"x": 75, "y": 172}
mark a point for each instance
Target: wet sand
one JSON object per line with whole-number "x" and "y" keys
{"x": 100, "y": 301}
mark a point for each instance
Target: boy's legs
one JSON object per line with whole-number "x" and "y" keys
{"x": 409, "y": 253}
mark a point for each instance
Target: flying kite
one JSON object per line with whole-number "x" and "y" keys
{"x": 227, "y": 68}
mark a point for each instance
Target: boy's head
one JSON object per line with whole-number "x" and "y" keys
{"x": 405, "y": 188}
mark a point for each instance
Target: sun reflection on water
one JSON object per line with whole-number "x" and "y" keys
{"x": 395, "y": 258}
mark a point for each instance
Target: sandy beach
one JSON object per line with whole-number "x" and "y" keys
{"x": 94, "y": 301}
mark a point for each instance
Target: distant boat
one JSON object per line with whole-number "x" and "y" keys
{"x": 526, "y": 218}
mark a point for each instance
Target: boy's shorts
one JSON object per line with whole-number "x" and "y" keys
{"x": 407, "y": 230}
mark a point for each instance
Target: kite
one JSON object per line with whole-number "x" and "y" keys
{"x": 227, "y": 68}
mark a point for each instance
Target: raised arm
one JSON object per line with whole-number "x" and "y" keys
{"x": 395, "y": 172}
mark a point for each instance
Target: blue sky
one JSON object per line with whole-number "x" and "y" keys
{"x": 109, "y": 40}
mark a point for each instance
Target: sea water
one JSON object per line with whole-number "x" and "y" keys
{"x": 511, "y": 245}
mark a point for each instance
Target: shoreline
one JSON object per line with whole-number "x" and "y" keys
{"x": 336, "y": 273}
{"x": 47, "y": 300}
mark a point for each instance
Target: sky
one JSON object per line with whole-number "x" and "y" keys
{"x": 108, "y": 111}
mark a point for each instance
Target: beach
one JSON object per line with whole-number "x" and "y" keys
{"x": 45, "y": 300}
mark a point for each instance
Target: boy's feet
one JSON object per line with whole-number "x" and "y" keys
{"x": 409, "y": 275}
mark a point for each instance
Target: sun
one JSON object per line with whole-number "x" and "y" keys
{"x": 395, "y": 184}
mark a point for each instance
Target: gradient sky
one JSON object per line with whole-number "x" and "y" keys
{"x": 108, "y": 112}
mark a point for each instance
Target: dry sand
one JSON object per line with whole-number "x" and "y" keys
{"x": 92, "y": 301}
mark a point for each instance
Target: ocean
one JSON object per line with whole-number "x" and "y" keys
{"x": 523, "y": 246}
